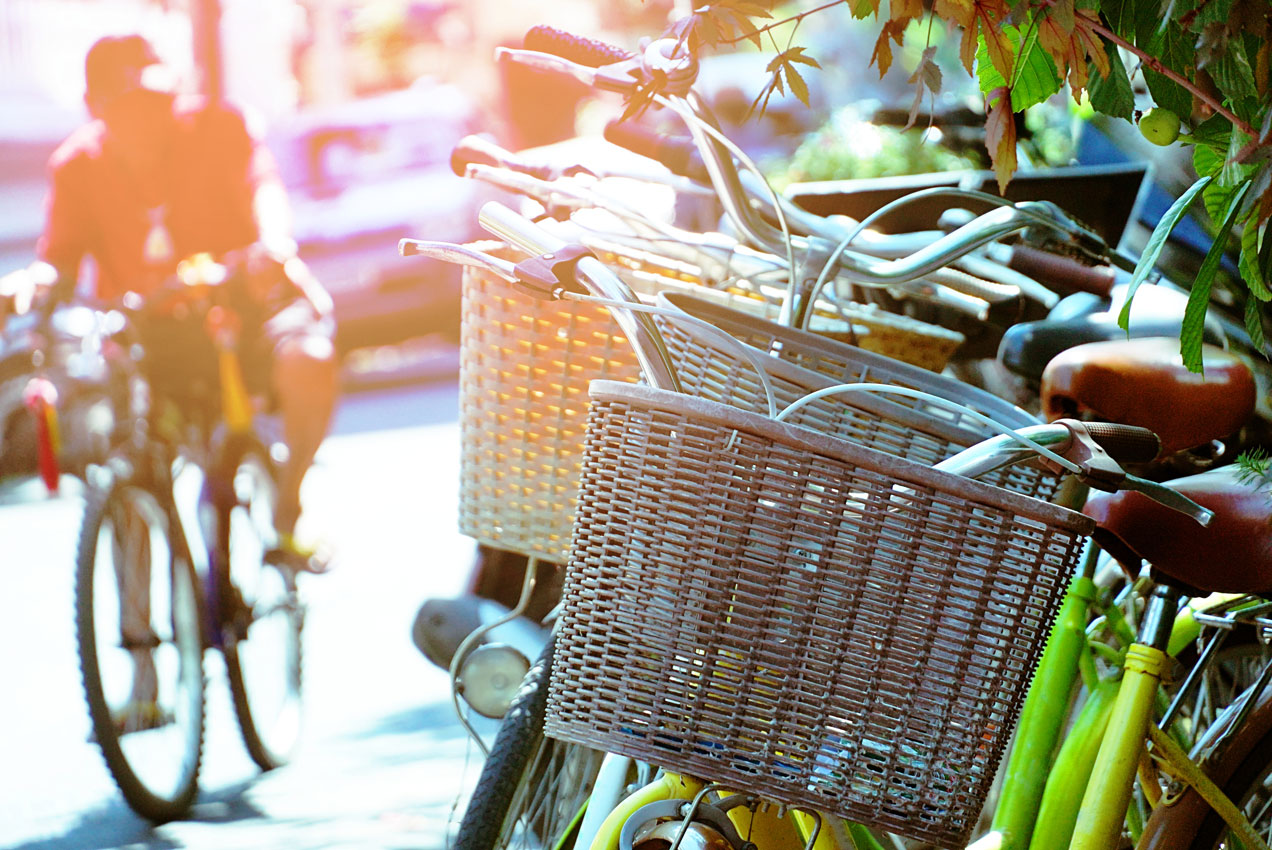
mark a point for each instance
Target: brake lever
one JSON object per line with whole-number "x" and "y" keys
{"x": 1167, "y": 497}
{"x": 621, "y": 77}
{"x": 1100, "y": 470}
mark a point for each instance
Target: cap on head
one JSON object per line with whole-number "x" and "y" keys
{"x": 116, "y": 63}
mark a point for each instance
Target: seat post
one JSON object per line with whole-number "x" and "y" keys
{"x": 1159, "y": 616}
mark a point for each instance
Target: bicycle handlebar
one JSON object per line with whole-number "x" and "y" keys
{"x": 577, "y": 49}
{"x": 476, "y": 150}
{"x": 1062, "y": 272}
{"x": 1126, "y": 443}
{"x": 680, "y": 155}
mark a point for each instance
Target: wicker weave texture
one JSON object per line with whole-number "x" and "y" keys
{"x": 801, "y": 618}
{"x": 802, "y": 363}
{"x": 524, "y": 369}
{"x": 890, "y": 335}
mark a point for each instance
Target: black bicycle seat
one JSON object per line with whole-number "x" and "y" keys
{"x": 1028, "y": 347}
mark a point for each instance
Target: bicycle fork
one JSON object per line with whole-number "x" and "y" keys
{"x": 1108, "y": 795}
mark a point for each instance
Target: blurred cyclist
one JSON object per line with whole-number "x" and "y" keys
{"x": 155, "y": 178}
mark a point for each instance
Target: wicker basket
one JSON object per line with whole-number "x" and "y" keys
{"x": 523, "y": 373}
{"x": 802, "y": 363}
{"x": 763, "y": 605}
{"x": 876, "y": 330}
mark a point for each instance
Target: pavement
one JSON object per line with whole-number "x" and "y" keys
{"x": 383, "y": 762}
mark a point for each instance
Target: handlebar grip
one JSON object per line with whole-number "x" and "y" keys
{"x": 678, "y": 154}
{"x": 1125, "y": 443}
{"x": 1061, "y": 272}
{"x": 477, "y": 150}
{"x": 577, "y": 49}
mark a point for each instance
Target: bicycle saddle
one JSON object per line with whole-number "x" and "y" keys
{"x": 1232, "y": 555}
{"x": 1026, "y": 348}
{"x": 1143, "y": 382}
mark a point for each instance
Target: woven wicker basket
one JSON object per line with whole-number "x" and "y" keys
{"x": 523, "y": 372}
{"x": 887, "y": 334}
{"x": 801, "y": 363}
{"x": 763, "y": 605}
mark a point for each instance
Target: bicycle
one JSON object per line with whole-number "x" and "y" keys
{"x": 564, "y": 285}
{"x": 160, "y": 580}
{"x": 58, "y": 395}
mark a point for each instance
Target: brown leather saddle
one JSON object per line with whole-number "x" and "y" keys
{"x": 1143, "y": 382}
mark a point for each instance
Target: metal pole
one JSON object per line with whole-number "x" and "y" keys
{"x": 206, "y": 25}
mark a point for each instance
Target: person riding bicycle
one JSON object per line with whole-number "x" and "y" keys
{"x": 154, "y": 178}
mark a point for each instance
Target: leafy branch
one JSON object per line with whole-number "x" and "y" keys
{"x": 1198, "y": 58}
{"x": 1254, "y": 468}
{"x": 783, "y": 22}
{"x": 1155, "y": 64}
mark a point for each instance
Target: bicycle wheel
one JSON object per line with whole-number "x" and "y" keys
{"x": 141, "y": 650}
{"x": 260, "y": 613}
{"x": 532, "y": 789}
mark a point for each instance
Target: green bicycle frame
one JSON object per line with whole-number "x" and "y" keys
{"x": 1045, "y": 778}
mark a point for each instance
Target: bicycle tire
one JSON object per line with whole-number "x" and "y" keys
{"x": 260, "y": 615}
{"x": 137, "y": 760}
{"x": 519, "y": 773}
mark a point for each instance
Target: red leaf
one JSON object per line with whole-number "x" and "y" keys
{"x": 905, "y": 9}
{"x": 883, "y": 51}
{"x": 1084, "y": 35}
{"x": 1056, "y": 42}
{"x": 1000, "y": 135}
{"x": 1000, "y": 47}
{"x": 967, "y": 48}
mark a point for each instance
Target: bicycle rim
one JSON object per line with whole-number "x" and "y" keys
{"x": 262, "y": 619}
{"x": 141, "y": 651}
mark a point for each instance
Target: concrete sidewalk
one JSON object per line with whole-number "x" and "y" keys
{"x": 384, "y": 759}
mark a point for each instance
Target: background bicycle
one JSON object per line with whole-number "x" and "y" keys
{"x": 161, "y": 579}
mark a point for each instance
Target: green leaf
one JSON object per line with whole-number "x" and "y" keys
{"x": 798, "y": 87}
{"x": 860, "y": 8}
{"x": 1254, "y": 324}
{"x": 1216, "y": 199}
{"x": 1248, "y": 262}
{"x": 1212, "y": 12}
{"x": 1199, "y": 296}
{"x": 1265, "y": 260}
{"x": 1233, "y": 74}
{"x": 1156, "y": 242}
{"x": 1174, "y": 48}
{"x": 1034, "y": 72}
{"x": 796, "y": 54}
{"x": 1134, "y": 20}
{"x": 1215, "y": 132}
{"x": 1207, "y": 161}
{"x": 1234, "y": 173}
{"x": 1112, "y": 96}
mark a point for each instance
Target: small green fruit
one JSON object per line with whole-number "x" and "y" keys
{"x": 1160, "y": 126}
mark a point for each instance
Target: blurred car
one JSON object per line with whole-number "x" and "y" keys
{"x": 363, "y": 174}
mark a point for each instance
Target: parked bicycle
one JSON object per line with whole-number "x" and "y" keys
{"x": 172, "y": 560}
{"x": 563, "y": 270}
{"x": 565, "y": 287}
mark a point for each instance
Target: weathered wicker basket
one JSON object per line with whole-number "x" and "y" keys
{"x": 802, "y": 362}
{"x": 763, "y": 605}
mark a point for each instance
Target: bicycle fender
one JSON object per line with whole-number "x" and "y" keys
{"x": 1174, "y": 824}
